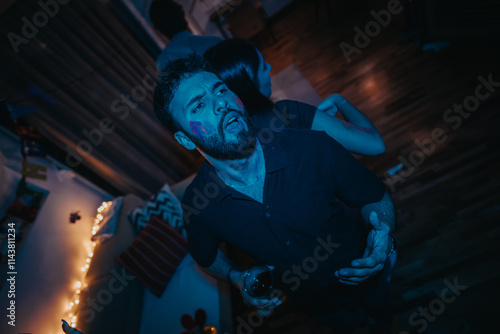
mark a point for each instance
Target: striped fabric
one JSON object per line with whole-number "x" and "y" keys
{"x": 164, "y": 204}
{"x": 154, "y": 254}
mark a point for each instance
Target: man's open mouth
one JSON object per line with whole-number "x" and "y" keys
{"x": 232, "y": 122}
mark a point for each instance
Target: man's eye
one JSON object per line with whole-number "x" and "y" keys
{"x": 198, "y": 107}
{"x": 222, "y": 90}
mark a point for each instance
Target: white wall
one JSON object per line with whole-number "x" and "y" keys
{"x": 48, "y": 262}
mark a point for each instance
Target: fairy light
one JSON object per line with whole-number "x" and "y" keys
{"x": 79, "y": 285}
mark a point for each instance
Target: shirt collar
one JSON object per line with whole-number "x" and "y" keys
{"x": 274, "y": 155}
{"x": 275, "y": 159}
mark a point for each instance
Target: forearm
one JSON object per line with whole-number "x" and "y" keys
{"x": 384, "y": 210}
{"x": 354, "y": 116}
{"x": 356, "y": 132}
{"x": 222, "y": 265}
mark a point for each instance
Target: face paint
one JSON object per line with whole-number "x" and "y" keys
{"x": 238, "y": 102}
{"x": 202, "y": 130}
{"x": 349, "y": 125}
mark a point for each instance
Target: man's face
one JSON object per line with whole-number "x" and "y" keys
{"x": 213, "y": 117}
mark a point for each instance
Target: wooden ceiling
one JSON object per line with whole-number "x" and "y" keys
{"x": 80, "y": 68}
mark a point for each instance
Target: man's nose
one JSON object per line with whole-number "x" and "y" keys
{"x": 220, "y": 106}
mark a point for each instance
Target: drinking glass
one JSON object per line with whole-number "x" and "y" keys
{"x": 258, "y": 281}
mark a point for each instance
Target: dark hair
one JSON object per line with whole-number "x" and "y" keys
{"x": 237, "y": 63}
{"x": 168, "y": 17}
{"x": 169, "y": 81}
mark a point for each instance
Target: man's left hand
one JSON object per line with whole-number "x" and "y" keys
{"x": 372, "y": 262}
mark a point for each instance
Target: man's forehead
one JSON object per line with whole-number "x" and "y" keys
{"x": 191, "y": 86}
{"x": 200, "y": 79}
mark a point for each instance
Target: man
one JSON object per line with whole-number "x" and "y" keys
{"x": 275, "y": 198}
{"x": 167, "y": 17}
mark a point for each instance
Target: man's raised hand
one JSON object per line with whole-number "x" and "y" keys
{"x": 377, "y": 247}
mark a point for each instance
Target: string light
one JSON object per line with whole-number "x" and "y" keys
{"x": 79, "y": 285}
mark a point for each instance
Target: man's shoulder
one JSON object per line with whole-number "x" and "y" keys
{"x": 293, "y": 104}
{"x": 198, "y": 181}
{"x": 302, "y": 136}
{"x": 308, "y": 143}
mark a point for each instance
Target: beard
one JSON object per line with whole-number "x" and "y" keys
{"x": 218, "y": 147}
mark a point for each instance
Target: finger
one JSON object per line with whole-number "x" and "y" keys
{"x": 367, "y": 262}
{"x": 365, "y": 254}
{"x": 325, "y": 104}
{"x": 353, "y": 280}
{"x": 271, "y": 305}
{"x": 348, "y": 282}
{"x": 264, "y": 313}
{"x": 352, "y": 273}
{"x": 263, "y": 302}
{"x": 357, "y": 278}
{"x": 278, "y": 303}
{"x": 332, "y": 111}
{"x": 374, "y": 221}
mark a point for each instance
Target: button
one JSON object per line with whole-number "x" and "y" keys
{"x": 268, "y": 214}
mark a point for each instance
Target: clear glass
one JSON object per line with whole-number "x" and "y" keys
{"x": 258, "y": 281}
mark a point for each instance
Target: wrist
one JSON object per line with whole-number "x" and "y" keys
{"x": 233, "y": 276}
{"x": 394, "y": 244}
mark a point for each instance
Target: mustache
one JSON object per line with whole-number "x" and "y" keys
{"x": 225, "y": 113}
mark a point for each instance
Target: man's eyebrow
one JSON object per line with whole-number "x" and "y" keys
{"x": 217, "y": 85}
{"x": 194, "y": 99}
{"x": 199, "y": 96}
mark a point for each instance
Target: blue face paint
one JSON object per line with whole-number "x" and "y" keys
{"x": 202, "y": 130}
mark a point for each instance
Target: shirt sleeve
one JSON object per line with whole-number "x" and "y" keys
{"x": 355, "y": 184}
{"x": 296, "y": 114}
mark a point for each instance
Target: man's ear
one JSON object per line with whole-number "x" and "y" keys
{"x": 184, "y": 140}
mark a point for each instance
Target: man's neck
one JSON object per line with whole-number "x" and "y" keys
{"x": 241, "y": 172}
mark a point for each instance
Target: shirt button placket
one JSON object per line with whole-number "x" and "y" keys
{"x": 267, "y": 213}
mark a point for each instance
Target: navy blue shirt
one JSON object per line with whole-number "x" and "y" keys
{"x": 300, "y": 218}
{"x": 284, "y": 114}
